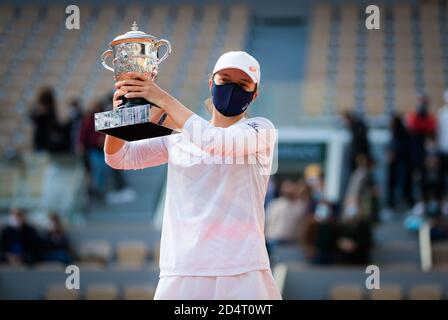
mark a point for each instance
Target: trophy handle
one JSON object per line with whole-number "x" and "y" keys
{"x": 166, "y": 43}
{"x": 104, "y": 56}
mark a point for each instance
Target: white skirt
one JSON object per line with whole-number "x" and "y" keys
{"x": 253, "y": 285}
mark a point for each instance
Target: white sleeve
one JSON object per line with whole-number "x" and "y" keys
{"x": 139, "y": 154}
{"x": 251, "y": 136}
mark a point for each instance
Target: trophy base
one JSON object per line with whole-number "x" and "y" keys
{"x": 132, "y": 102}
{"x": 139, "y": 131}
{"x": 135, "y": 122}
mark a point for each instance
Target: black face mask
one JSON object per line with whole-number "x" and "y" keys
{"x": 230, "y": 99}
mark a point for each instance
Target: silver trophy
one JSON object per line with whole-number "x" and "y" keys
{"x": 136, "y": 118}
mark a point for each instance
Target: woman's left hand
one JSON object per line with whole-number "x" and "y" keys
{"x": 139, "y": 87}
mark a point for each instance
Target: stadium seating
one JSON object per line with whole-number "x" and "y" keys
{"x": 373, "y": 71}
{"x": 387, "y": 292}
{"x": 138, "y": 292}
{"x": 376, "y": 71}
{"x": 102, "y": 291}
{"x": 59, "y": 292}
{"x": 347, "y": 283}
{"x": 69, "y": 59}
{"x": 132, "y": 254}
{"x": 426, "y": 292}
{"x": 95, "y": 284}
{"x": 95, "y": 251}
{"x": 346, "y": 292}
{"x": 440, "y": 253}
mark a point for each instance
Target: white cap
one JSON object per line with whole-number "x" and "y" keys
{"x": 239, "y": 60}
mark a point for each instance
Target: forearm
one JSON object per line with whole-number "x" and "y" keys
{"x": 137, "y": 154}
{"x": 113, "y": 145}
{"x": 176, "y": 110}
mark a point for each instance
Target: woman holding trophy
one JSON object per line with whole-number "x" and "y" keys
{"x": 213, "y": 244}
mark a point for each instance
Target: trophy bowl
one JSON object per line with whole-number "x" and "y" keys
{"x": 136, "y": 118}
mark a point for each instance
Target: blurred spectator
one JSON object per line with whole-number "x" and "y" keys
{"x": 284, "y": 215}
{"x": 442, "y": 142}
{"x": 432, "y": 180}
{"x": 359, "y": 142}
{"x": 421, "y": 121}
{"x": 56, "y": 244}
{"x": 432, "y": 210}
{"x": 422, "y": 125}
{"x": 75, "y": 116}
{"x": 48, "y": 135}
{"x": 19, "y": 241}
{"x": 320, "y": 234}
{"x": 91, "y": 145}
{"x": 354, "y": 237}
{"x": 121, "y": 193}
{"x": 431, "y": 183}
{"x": 438, "y": 219}
{"x": 314, "y": 179}
{"x": 359, "y": 211}
{"x": 361, "y": 190}
{"x": 399, "y": 178}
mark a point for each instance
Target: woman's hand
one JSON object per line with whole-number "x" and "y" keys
{"x": 116, "y": 101}
{"x": 140, "y": 87}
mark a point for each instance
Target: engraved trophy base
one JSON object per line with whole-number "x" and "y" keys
{"x": 133, "y": 121}
{"x": 139, "y": 131}
{"x": 132, "y": 102}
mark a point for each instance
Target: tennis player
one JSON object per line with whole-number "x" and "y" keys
{"x": 213, "y": 244}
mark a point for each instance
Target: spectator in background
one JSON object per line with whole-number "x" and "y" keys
{"x": 75, "y": 116}
{"x": 320, "y": 229}
{"x": 359, "y": 142}
{"x": 284, "y": 215}
{"x": 436, "y": 215}
{"x": 47, "y": 132}
{"x": 442, "y": 142}
{"x": 19, "y": 241}
{"x": 399, "y": 166}
{"x": 432, "y": 180}
{"x": 360, "y": 190}
{"x": 121, "y": 193}
{"x": 91, "y": 144}
{"x": 354, "y": 241}
{"x": 421, "y": 125}
{"x": 421, "y": 122}
{"x": 314, "y": 180}
{"x": 56, "y": 244}
{"x": 320, "y": 234}
{"x": 90, "y": 147}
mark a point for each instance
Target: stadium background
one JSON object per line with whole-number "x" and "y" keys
{"x": 318, "y": 61}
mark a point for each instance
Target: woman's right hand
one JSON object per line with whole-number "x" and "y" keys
{"x": 116, "y": 101}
